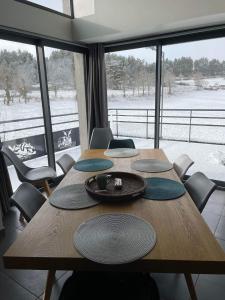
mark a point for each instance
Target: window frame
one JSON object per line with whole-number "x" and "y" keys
{"x": 40, "y": 42}
{"x": 70, "y": 16}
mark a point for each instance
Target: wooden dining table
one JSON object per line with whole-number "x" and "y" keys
{"x": 184, "y": 244}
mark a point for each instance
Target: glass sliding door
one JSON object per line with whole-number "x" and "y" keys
{"x": 63, "y": 101}
{"x": 131, "y": 94}
{"x": 193, "y": 104}
{"x": 21, "y": 116}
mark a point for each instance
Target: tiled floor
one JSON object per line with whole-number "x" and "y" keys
{"x": 28, "y": 285}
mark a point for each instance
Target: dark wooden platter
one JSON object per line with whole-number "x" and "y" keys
{"x": 133, "y": 187}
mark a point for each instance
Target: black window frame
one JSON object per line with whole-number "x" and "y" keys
{"x": 39, "y": 6}
{"x": 40, "y": 42}
{"x": 160, "y": 40}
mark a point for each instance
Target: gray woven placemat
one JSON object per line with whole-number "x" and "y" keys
{"x": 72, "y": 197}
{"x": 121, "y": 152}
{"x": 114, "y": 238}
{"x": 151, "y": 165}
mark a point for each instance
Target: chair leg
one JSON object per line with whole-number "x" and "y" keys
{"x": 49, "y": 284}
{"x": 22, "y": 220}
{"x": 47, "y": 188}
{"x": 191, "y": 286}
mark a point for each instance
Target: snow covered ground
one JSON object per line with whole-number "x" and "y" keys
{"x": 208, "y": 157}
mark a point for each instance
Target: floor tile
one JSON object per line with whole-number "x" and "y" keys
{"x": 220, "y": 231}
{"x": 172, "y": 286}
{"x": 32, "y": 280}
{"x": 212, "y": 220}
{"x": 210, "y": 287}
{"x": 214, "y": 208}
{"x": 217, "y": 197}
{"x": 10, "y": 290}
{"x": 222, "y": 243}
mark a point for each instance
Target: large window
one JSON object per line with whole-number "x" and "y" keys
{"x": 131, "y": 94}
{"x": 193, "y": 104}
{"x": 21, "y": 116}
{"x": 24, "y": 110}
{"x": 63, "y": 101}
{"x": 62, "y": 6}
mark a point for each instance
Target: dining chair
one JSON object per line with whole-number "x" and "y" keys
{"x": 36, "y": 176}
{"x": 28, "y": 200}
{"x": 65, "y": 162}
{"x": 100, "y": 138}
{"x": 182, "y": 164}
{"x": 125, "y": 143}
{"x": 200, "y": 188}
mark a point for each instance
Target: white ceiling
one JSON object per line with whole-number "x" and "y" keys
{"x": 119, "y": 19}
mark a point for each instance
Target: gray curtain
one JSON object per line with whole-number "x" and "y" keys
{"x": 5, "y": 185}
{"x": 97, "y": 110}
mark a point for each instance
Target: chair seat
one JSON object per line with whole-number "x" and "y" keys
{"x": 39, "y": 174}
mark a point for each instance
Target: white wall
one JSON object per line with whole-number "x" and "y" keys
{"x": 21, "y": 16}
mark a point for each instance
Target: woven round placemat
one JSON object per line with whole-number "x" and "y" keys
{"x": 93, "y": 164}
{"x": 72, "y": 197}
{"x": 114, "y": 238}
{"x": 121, "y": 152}
{"x": 151, "y": 165}
{"x": 163, "y": 189}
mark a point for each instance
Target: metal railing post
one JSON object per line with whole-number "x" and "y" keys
{"x": 189, "y": 139}
{"x": 147, "y": 125}
{"x": 117, "y": 123}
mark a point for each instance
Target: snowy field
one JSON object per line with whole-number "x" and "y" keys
{"x": 178, "y": 107}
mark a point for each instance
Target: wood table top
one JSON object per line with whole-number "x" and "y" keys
{"x": 184, "y": 241}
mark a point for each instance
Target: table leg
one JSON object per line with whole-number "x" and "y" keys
{"x": 47, "y": 188}
{"x": 49, "y": 284}
{"x": 191, "y": 286}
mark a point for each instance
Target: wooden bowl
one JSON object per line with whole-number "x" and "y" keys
{"x": 133, "y": 187}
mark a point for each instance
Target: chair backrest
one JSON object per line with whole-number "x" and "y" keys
{"x": 100, "y": 138}
{"x": 65, "y": 162}
{"x": 20, "y": 167}
{"x": 200, "y": 189}
{"x": 28, "y": 200}
{"x": 182, "y": 164}
{"x": 125, "y": 143}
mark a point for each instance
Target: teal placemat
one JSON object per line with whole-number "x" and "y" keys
{"x": 94, "y": 164}
{"x": 163, "y": 189}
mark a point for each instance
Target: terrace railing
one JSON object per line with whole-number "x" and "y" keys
{"x": 186, "y": 125}
{"x": 27, "y": 139}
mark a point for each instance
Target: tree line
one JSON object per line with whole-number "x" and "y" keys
{"x": 130, "y": 73}
{"x": 19, "y": 73}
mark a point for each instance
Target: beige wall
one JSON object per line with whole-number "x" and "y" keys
{"x": 21, "y": 16}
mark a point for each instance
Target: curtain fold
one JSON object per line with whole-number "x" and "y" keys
{"x": 5, "y": 185}
{"x": 97, "y": 110}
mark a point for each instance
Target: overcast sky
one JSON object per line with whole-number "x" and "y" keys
{"x": 208, "y": 48}
{"x": 53, "y": 4}
{"x": 211, "y": 49}
{"x": 14, "y": 46}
